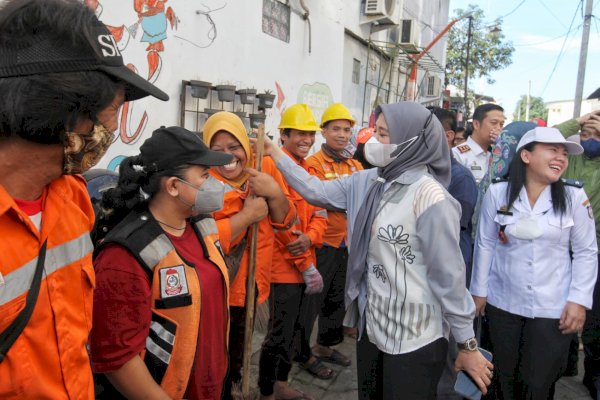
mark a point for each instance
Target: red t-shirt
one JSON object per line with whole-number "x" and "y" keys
{"x": 122, "y": 315}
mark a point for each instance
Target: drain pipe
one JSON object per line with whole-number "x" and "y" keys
{"x": 305, "y": 17}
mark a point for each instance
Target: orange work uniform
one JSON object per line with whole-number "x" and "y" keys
{"x": 234, "y": 202}
{"x": 312, "y": 221}
{"x": 49, "y": 359}
{"x": 325, "y": 168}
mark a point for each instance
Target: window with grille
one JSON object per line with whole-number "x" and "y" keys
{"x": 276, "y": 19}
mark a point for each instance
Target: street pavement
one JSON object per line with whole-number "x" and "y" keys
{"x": 343, "y": 386}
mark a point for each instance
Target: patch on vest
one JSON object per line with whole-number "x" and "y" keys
{"x": 463, "y": 148}
{"x": 173, "y": 281}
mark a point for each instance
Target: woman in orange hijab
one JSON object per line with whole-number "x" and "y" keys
{"x": 248, "y": 199}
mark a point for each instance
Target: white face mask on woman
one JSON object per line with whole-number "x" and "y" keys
{"x": 381, "y": 155}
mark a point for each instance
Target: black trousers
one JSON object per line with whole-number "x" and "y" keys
{"x": 237, "y": 323}
{"x": 413, "y": 375}
{"x": 328, "y": 305}
{"x": 530, "y": 354}
{"x": 591, "y": 344}
{"x": 591, "y": 348}
{"x": 285, "y": 301}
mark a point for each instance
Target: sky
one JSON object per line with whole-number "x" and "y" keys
{"x": 538, "y": 30}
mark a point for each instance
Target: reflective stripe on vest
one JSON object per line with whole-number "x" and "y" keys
{"x": 207, "y": 226}
{"x": 18, "y": 282}
{"x": 321, "y": 213}
{"x": 162, "y": 333}
{"x": 156, "y": 250}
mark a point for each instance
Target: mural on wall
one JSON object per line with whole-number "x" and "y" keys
{"x": 140, "y": 29}
{"x": 317, "y": 95}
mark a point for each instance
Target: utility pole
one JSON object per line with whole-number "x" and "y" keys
{"x": 585, "y": 38}
{"x": 466, "y": 98}
{"x": 528, "y": 104}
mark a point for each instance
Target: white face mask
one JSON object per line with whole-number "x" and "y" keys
{"x": 381, "y": 155}
{"x": 526, "y": 228}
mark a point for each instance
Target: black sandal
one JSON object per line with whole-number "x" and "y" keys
{"x": 316, "y": 369}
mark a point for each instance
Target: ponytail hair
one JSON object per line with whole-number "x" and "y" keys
{"x": 136, "y": 187}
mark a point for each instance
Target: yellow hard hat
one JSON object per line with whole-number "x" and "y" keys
{"x": 337, "y": 111}
{"x": 300, "y": 117}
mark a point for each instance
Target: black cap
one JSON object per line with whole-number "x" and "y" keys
{"x": 174, "y": 146}
{"x": 49, "y": 56}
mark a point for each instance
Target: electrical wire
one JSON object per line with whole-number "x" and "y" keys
{"x": 561, "y": 49}
{"x": 542, "y": 42}
{"x": 551, "y": 13}
{"x": 514, "y": 9}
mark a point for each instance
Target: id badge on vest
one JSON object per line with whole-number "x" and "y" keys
{"x": 173, "y": 281}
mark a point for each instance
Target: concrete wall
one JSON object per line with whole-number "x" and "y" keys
{"x": 223, "y": 42}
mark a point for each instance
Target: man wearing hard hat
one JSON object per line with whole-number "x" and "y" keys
{"x": 294, "y": 276}
{"x": 333, "y": 161}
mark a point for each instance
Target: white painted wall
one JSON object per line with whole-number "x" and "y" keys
{"x": 222, "y": 42}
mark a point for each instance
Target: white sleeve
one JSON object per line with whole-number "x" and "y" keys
{"x": 325, "y": 194}
{"x": 585, "y": 251}
{"x": 485, "y": 244}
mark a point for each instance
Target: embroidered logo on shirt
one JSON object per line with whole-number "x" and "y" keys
{"x": 173, "y": 281}
{"x": 463, "y": 148}
{"x": 588, "y": 206}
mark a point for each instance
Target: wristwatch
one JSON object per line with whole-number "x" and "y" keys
{"x": 468, "y": 345}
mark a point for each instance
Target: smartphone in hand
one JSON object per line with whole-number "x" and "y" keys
{"x": 465, "y": 386}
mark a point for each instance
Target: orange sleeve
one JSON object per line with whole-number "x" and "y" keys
{"x": 317, "y": 226}
{"x": 290, "y": 218}
{"x": 232, "y": 205}
{"x": 283, "y": 231}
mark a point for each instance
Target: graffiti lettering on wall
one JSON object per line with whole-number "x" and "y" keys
{"x": 317, "y": 95}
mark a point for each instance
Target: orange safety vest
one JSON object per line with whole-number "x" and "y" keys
{"x": 326, "y": 169}
{"x": 49, "y": 360}
{"x": 176, "y": 293}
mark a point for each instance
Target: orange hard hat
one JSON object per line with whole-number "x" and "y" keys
{"x": 365, "y": 134}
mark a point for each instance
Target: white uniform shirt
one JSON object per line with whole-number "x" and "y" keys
{"x": 472, "y": 156}
{"x": 535, "y": 277}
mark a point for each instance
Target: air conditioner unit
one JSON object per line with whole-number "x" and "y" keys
{"x": 383, "y": 8}
{"x": 434, "y": 84}
{"x": 409, "y": 35}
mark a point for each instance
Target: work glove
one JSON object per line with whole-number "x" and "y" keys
{"x": 313, "y": 280}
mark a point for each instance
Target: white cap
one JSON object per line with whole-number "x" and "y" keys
{"x": 549, "y": 135}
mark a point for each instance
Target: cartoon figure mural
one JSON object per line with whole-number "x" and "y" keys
{"x": 152, "y": 17}
{"x": 153, "y": 20}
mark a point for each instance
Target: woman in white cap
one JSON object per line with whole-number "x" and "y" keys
{"x": 533, "y": 291}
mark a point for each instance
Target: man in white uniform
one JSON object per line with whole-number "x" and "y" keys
{"x": 488, "y": 121}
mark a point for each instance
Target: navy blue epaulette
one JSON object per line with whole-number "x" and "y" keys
{"x": 573, "y": 182}
{"x": 499, "y": 179}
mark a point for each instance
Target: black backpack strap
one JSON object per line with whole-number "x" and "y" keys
{"x": 9, "y": 336}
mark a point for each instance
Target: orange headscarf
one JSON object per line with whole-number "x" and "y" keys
{"x": 225, "y": 121}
